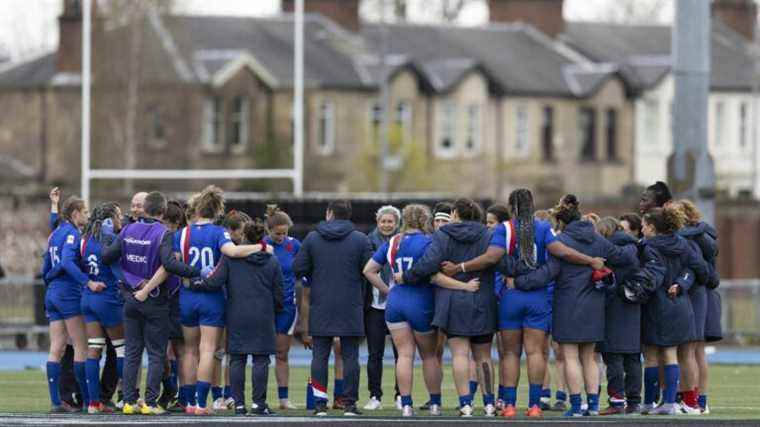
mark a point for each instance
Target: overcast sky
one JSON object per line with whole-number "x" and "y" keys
{"x": 29, "y": 27}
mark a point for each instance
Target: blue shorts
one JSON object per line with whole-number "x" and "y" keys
{"x": 520, "y": 309}
{"x": 106, "y": 308}
{"x": 201, "y": 309}
{"x": 410, "y": 306}
{"x": 62, "y": 302}
{"x": 285, "y": 321}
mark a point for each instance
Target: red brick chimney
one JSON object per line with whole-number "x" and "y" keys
{"x": 344, "y": 12}
{"x": 740, "y": 15}
{"x": 546, "y": 15}
{"x": 69, "y": 54}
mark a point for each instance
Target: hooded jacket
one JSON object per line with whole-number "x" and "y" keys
{"x": 667, "y": 321}
{"x": 253, "y": 287}
{"x": 706, "y": 237}
{"x": 459, "y": 312}
{"x": 332, "y": 258}
{"x": 622, "y": 319}
{"x": 578, "y": 313}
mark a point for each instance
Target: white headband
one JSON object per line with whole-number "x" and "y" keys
{"x": 442, "y": 216}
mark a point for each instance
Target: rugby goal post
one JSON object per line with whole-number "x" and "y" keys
{"x": 295, "y": 174}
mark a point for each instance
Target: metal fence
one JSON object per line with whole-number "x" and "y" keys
{"x": 22, "y": 313}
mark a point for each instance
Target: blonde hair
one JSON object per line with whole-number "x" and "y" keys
{"x": 608, "y": 226}
{"x": 210, "y": 202}
{"x": 415, "y": 217}
{"x": 592, "y": 218}
{"x": 690, "y": 211}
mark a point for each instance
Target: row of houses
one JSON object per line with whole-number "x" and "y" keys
{"x": 526, "y": 99}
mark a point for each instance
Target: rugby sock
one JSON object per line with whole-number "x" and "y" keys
{"x": 190, "y": 394}
{"x": 560, "y": 396}
{"x": 216, "y": 392}
{"x": 502, "y": 392}
{"x": 53, "y": 375}
{"x": 547, "y": 393}
{"x": 120, "y": 367}
{"x": 651, "y": 388}
{"x": 338, "y": 389}
{"x": 282, "y": 393}
{"x": 174, "y": 374}
{"x": 166, "y": 382}
{"x": 510, "y": 396}
{"x": 309, "y": 397}
{"x": 92, "y": 372}
{"x": 406, "y": 400}
{"x": 227, "y": 391}
{"x": 534, "y": 394}
{"x": 182, "y": 396}
{"x": 473, "y": 387}
{"x": 671, "y": 383}
{"x": 593, "y": 402}
{"x": 81, "y": 374}
{"x": 575, "y": 403}
{"x": 702, "y": 399}
{"x": 203, "y": 389}
{"x": 465, "y": 400}
{"x": 435, "y": 399}
{"x": 488, "y": 399}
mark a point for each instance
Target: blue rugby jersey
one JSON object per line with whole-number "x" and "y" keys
{"x": 285, "y": 253}
{"x": 410, "y": 250}
{"x": 203, "y": 248}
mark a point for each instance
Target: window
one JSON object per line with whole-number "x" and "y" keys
{"x": 375, "y": 121}
{"x": 239, "y": 123}
{"x": 156, "y": 134}
{"x": 521, "y": 129}
{"x": 404, "y": 120}
{"x": 446, "y": 146}
{"x": 472, "y": 137}
{"x": 547, "y": 134}
{"x": 213, "y": 123}
{"x": 719, "y": 117}
{"x": 587, "y": 133}
{"x": 743, "y": 125}
{"x": 326, "y": 137}
{"x": 651, "y": 121}
{"x": 611, "y": 133}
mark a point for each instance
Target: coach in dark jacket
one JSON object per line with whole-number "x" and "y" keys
{"x": 468, "y": 319}
{"x": 333, "y": 258}
{"x": 253, "y": 290}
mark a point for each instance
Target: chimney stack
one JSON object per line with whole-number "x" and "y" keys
{"x": 545, "y": 15}
{"x": 343, "y": 12}
{"x": 69, "y": 55}
{"x": 740, "y": 15}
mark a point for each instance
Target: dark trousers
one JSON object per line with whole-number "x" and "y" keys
{"x": 376, "y": 330}
{"x": 259, "y": 377}
{"x": 624, "y": 375}
{"x": 145, "y": 328}
{"x": 68, "y": 386}
{"x": 322, "y": 346}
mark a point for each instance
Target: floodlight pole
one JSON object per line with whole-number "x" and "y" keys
{"x": 86, "y": 50}
{"x": 298, "y": 102}
{"x": 691, "y": 170}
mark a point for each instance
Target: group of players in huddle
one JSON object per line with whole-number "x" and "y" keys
{"x": 193, "y": 287}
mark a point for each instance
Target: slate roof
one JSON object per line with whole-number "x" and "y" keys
{"x": 643, "y": 52}
{"x": 29, "y": 74}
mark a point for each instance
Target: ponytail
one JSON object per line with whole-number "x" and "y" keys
{"x": 276, "y": 217}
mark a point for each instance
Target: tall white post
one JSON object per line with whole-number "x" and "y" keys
{"x": 86, "y": 50}
{"x": 298, "y": 103}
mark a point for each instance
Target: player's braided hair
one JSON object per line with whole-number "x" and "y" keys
{"x": 415, "y": 217}
{"x": 521, "y": 203}
{"x": 99, "y": 214}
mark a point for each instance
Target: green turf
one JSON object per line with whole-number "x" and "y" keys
{"x": 734, "y": 392}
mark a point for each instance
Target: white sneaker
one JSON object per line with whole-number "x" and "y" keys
{"x": 399, "y": 406}
{"x": 499, "y": 404}
{"x": 465, "y": 411}
{"x": 490, "y": 410}
{"x": 408, "y": 411}
{"x": 373, "y": 404}
{"x": 219, "y": 404}
{"x": 584, "y": 407}
{"x": 688, "y": 410}
{"x": 120, "y": 404}
{"x": 435, "y": 410}
{"x": 665, "y": 409}
{"x": 285, "y": 405}
{"x": 230, "y": 402}
{"x": 647, "y": 408}
{"x": 706, "y": 411}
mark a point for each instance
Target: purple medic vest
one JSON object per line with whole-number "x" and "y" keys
{"x": 140, "y": 251}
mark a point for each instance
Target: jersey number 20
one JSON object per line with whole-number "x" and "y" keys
{"x": 206, "y": 256}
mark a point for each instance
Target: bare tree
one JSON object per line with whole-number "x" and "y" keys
{"x": 449, "y": 10}
{"x": 630, "y": 11}
{"x": 395, "y": 10}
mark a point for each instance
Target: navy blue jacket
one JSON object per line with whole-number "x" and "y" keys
{"x": 622, "y": 320}
{"x": 459, "y": 312}
{"x": 705, "y": 237}
{"x": 578, "y": 312}
{"x": 373, "y": 295}
{"x": 253, "y": 289}
{"x": 332, "y": 258}
{"x": 667, "y": 321}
